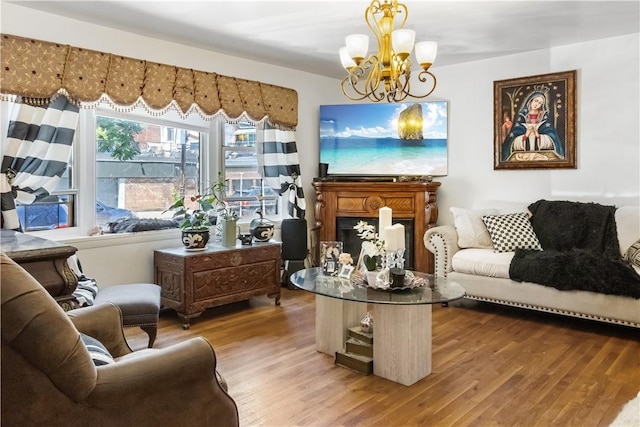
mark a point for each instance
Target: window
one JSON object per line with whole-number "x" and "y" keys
{"x": 142, "y": 166}
{"x": 246, "y": 193}
{"x": 135, "y": 164}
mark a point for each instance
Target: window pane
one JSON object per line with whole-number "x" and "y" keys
{"x": 142, "y": 167}
{"x": 52, "y": 211}
{"x": 245, "y": 190}
{"x": 47, "y": 213}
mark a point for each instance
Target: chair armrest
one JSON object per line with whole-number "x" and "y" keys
{"x": 181, "y": 376}
{"x": 104, "y": 323}
{"x": 442, "y": 241}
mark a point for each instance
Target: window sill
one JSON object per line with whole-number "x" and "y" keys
{"x": 71, "y": 237}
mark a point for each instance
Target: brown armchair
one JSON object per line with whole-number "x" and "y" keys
{"x": 49, "y": 379}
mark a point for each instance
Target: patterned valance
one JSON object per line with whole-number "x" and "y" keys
{"x": 39, "y": 69}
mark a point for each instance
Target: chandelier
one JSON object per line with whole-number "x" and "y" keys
{"x": 386, "y": 74}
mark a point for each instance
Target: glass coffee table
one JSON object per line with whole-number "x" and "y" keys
{"x": 401, "y": 318}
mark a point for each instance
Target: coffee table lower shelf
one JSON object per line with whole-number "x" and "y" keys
{"x": 401, "y": 337}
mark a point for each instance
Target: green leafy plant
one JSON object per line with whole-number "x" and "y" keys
{"x": 208, "y": 203}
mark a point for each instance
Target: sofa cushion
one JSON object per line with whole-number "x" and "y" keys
{"x": 482, "y": 262}
{"x": 633, "y": 254}
{"x": 472, "y": 233}
{"x": 511, "y": 231}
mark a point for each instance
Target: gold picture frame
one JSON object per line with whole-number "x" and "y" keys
{"x": 535, "y": 122}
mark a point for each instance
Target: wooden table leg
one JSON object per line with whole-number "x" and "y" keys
{"x": 333, "y": 318}
{"x": 402, "y": 342}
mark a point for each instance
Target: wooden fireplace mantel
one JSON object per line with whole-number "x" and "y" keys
{"x": 415, "y": 200}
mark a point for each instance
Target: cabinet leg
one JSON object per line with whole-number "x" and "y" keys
{"x": 186, "y": 319}
{"x": 186, "y": 323}
{"x": 276, "y": 296}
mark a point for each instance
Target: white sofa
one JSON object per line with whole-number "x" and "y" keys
{"x": 485, "y": 274}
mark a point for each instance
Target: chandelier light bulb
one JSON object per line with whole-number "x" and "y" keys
{"x": 357, "y": 46}
{"x": 346, "y": 60}
{"x": 402, "y": 42}
{"x": 426, "y": 53}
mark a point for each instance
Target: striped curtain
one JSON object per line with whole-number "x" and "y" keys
{"x": 35, "y": 153}
{"x": 279, "y": 166}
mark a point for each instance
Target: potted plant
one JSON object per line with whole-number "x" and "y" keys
{"x": 196, "y": 221}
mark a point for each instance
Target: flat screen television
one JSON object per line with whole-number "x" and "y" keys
{"x": 384, "y": 139}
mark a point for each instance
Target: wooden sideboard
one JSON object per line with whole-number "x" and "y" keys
{"x": 45, "y": 260}
{"x": 414, "y": 201}
{"x": 191, "y": 282}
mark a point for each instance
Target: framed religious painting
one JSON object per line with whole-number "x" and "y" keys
{"x": 535, "y": 122}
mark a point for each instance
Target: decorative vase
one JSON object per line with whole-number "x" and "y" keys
{"x": 195, "y": 240}
{"x": 261, "y": 229}
{"x": 372, "y": 277}
{"x": 229, "y": 232}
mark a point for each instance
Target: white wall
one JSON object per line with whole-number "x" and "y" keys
{"x": 608, "y": 124}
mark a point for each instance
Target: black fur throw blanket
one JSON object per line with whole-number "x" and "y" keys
{"x": 581, "y": 250}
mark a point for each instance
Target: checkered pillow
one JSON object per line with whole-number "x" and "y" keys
{"x": 511, "y": 231}
{"x": 633, "y": 254}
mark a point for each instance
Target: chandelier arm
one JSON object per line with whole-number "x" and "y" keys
{"x": 422, "y": 78}
{"x": 345, "y": 93}
{"x": 406, "y": 13}
{"x": 369, "y": 85}
{"x": 372, "y": 22}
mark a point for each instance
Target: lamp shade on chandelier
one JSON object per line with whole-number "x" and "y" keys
{"x": 387, "y": 73}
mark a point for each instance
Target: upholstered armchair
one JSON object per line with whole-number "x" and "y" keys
{"x": 50, "y": 379}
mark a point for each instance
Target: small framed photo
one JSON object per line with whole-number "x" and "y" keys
{"x": 346, "y": 271}
{"x": 329, "y": 254}
{"x": 330, "y": 267}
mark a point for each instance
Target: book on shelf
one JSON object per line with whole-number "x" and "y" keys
{"x": 361, "y": 348}
{"x": 355, "y": 362}
{"x": 356, "y": 333}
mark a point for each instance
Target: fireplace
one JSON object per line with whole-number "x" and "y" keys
{"x": 346, "y": 234}
{"x": 340, "y": 204}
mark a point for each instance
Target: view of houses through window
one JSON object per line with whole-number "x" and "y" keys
{"x": 141, "y": 167}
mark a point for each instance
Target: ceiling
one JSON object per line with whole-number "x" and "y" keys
{"x": 306, "y": 35}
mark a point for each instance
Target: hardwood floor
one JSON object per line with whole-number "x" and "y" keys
{"x": 492, "y": 366}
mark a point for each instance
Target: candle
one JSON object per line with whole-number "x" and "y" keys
{"x": 399, "y": 236}
{"x": 390, "y": 238}
{"x": 384, "y": 221}
{"x": 395, "y": 236}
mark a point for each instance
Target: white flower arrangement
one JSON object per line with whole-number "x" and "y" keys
{"x": 370, "y": 258}
{"x": 367, "y": 232}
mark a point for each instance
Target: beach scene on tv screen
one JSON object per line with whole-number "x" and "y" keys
{"x": 384, "y": 139}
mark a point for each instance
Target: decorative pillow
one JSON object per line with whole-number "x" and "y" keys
{"x": 633, "y": 254}
{"x": 86, "y": 291}
{"x": 472, "y": 233}
{"x": 98, "y": 352}
{"x": 511, "y": 231}
{"x": 87, "y": 288}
